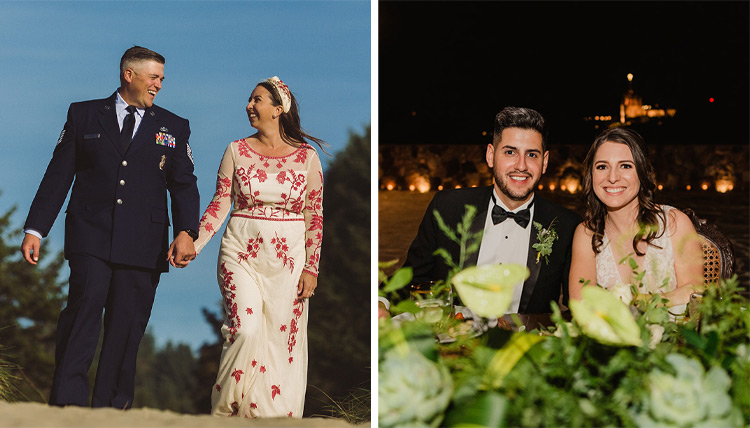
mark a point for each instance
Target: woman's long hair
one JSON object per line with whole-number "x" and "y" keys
{"x": 290, "y": 127}
{"x": 648, "y": 211}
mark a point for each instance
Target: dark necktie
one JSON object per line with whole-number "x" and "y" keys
{"x": 522, "y": 217}
{"x": 126, "y": 135}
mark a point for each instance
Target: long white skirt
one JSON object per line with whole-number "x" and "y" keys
{"x": 263, "y": 369}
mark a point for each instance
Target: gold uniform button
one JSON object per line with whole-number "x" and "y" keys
{"x": 119, "y": 202}
{"x": 122, "y": 182}
{"x": 124, "y": 163}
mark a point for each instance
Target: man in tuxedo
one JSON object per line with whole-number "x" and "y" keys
{"x": 506, "y": 212}
{"x": 125, "y": 153}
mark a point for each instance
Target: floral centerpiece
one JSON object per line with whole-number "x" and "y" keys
{"x": 614, "y": 363}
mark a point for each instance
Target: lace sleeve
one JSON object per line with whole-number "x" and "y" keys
{"x": 313, "y": 212}
{"x": 219, "y": 207}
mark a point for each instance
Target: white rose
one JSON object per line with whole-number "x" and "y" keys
{"x": 656, "y": 333}
{"x": 622, "y": 291}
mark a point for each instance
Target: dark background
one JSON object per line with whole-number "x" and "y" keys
{"x": 446, "y": 68}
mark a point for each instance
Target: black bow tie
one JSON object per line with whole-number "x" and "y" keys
{"x": 522, "y": 217}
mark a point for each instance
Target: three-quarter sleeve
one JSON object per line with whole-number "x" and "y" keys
{"x": 216, "y": 211}
{"x": 313, "y": 213}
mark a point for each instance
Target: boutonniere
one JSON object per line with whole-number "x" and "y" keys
{"x": 545, "y": 238}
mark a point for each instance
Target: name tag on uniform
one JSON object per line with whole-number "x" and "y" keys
{"x": 164, "y": 139}
{"x": 90, "y": 136}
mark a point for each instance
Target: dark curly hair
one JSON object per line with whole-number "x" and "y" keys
{"x": 648, "y": 212}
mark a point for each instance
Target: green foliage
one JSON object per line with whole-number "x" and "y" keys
{"x": 165, "y": 376}
{"x": 339, "y": 323}
{"x": 31, "y": 298}
{"x": 207, "y": 365}
{"x": 8, "y": 381}
{"x": 574, "y": 377}
{"x": 468, "y": 243}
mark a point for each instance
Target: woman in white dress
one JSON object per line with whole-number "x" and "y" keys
{"x": 271, "y": 185}
{"x": 622, "y": 221}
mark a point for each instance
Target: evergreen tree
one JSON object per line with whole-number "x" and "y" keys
{"x": 164, "y": 377}
{"x": 339, "y": 323}
{"x": 31, "y": 298}
{"x": 207, "y": 366}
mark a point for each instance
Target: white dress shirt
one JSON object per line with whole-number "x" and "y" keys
{"x": 120, "y": 106}
{"x": 506, "y": 242}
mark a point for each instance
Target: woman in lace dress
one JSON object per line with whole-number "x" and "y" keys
{"x": 271, "y": 185}
{"x": 622, "y": 221}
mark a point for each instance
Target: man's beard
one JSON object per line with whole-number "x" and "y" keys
{"x": 515, "y": 196}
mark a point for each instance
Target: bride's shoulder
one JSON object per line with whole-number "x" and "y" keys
{"x": 583, "y": 230}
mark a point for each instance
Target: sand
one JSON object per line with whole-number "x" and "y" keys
{"x": 41, "y": 415}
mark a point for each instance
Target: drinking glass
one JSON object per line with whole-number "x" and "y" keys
{"x": 434, "y": 303}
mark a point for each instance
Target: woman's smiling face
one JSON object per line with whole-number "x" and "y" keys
{"x": 614, "y": 176}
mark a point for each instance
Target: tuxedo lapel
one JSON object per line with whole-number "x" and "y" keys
{"x": 108, "y": 122}
{"x": 479, "y": 220}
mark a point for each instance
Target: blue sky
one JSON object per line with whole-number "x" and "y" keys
{"x": 55, "y": 53}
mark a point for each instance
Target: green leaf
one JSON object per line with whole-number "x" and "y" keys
{"x": 486, "y": 410}
{"x": 507, "y": 357}
{"x": 444, "y": 228}
{"x": 694, "y": 339}
{"x": 445, "y": 255}
{"x": 400, "y": 279}
{"x": 712, "y": 343}
{"x": 633, "y": 264}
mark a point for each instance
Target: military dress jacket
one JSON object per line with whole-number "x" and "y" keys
{"x": 546, "y": 281}
{"x": 118, "y": 205}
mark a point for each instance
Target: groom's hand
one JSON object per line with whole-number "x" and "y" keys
{"x": 182, "y": 250}
{"x": 30, "y": 248}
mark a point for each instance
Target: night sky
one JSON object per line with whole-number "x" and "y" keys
{"x": 446, "y": 68}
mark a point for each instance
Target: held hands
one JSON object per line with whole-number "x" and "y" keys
{"x": 307, "y": 285}
{"x": 30, "y": 248}
{"x": 182, "y": 251}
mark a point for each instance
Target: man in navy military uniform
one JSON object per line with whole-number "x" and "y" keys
{"x": 124, "y": 153}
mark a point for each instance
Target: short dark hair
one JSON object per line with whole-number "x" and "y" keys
{"x": 520, "y": 117}
{"x": 136, "y": 54}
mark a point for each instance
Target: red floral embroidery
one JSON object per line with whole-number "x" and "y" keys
{"x": 292, "y": 339}
{"x": 227, "y": 291}
{"x": 283, "y": 327}
{"x": 253, "y": 245}
{"x": 244, "y": 148}
{"x": 254, "y": 363}
{"x": 249, "y": 311}
{"x": 218, "y": 387}
{"x": 235, "y": 409}
{"x": 301, "y": 154}
{"x": 296, "y": 180}
{"x": 281, "y": 251}
{"x": 222, "y": 191}
{"x": 253, "y": 406}
{"x": 275, "y": 391}
{"x": 262, "y": 369}
{"x": 236, "y": 374}
{"x": 290, "y": 414}
{"x": 291, "y": 359}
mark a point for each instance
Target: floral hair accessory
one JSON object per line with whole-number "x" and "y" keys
{"x": 283, "y": 90}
